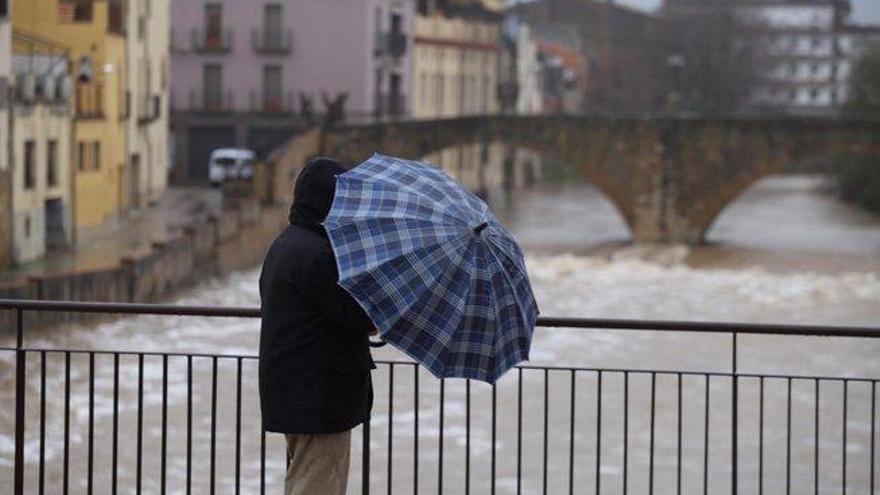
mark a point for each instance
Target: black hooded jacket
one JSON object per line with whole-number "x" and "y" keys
{"x": 314, "y": 352}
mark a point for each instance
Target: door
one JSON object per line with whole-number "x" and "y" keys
{"x": 55, "y": 237}
{"x": 212, "y": 81}
{"x": 272, "y": 26}
{"x": 272, "y": 88}
{"x": 213, "y": 25}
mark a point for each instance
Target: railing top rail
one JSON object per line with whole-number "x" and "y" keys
{"x": 548, "y": 322}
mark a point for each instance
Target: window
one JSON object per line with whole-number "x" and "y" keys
{"x": 272, "y": 17}
{"x": 377, "y": 30}
{"x": 439, "y": 92}
{"x": 272, "y": 88}
{"x": 52, "y": 163}
{"x": 96, "y": 155}
{"x": 30, "y": 164}
{"x": 75, "y": 10}
{"x": 212, "y": 80}
{"x": 814, "y": 94}
{"x": 213, "y": 25}
{"x": 88, "y": 155}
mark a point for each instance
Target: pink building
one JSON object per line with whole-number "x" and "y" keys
{"x": 271, "y": 60}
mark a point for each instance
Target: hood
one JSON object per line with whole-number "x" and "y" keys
{"x": 313, "y": 193}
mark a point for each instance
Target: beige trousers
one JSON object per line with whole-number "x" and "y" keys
{"x": 318, "y": 464}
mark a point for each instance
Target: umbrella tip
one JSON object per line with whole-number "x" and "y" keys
{"x": 480, "y": 228}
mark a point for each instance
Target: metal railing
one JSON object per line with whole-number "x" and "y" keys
{"x": 272, "y": 42}
{"x": 210, "y": 40}
{"x": 541, "y": 428}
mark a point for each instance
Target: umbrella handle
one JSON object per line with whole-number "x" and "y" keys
{"x": 378, "y": 343}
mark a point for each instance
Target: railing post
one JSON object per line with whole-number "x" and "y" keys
{"x": 734, "y": 446}
{"x": 19, "y": 401}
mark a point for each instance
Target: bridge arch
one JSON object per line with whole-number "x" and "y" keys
{"x": 669, "y": 176}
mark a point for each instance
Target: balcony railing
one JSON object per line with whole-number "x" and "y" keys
{"x": 272, "y": 42}
{"x": 391, "y": 43}
{"x": 212, "y": 40}
{"x": 276, "y": 104}
{"x": 167, "y": 416}
{"x": 211, "y": 102}
{"x": 149, "y": 108}
{"x": 89, "y": 100}
{"x": 392, "y": 105}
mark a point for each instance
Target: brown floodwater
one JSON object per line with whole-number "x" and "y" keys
{"x": 785, "y": 252}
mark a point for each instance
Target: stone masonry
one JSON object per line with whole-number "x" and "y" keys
{"x": 668, "y": 176}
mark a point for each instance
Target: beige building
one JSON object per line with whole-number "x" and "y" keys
{"x": 5, "y": 168}
{"x": 147, "y": 45}
{"x": 455, "y": 73}
{"x": 42, "y": 128}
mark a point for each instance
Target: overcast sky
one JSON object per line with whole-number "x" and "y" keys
{"x": 864, "y": 11}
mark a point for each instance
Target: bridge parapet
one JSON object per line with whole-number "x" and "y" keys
{"x": 669, "y": 176}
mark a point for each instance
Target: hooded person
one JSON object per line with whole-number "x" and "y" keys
{"x": 315, "y": 361}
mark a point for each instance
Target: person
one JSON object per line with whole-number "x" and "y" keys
{"x": 315, "y": 362}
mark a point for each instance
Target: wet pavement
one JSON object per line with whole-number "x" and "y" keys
{"x": 105, "y": 246}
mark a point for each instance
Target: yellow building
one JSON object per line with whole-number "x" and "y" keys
{"x": 455, "y": 73}
{"x": 94, "y": 32}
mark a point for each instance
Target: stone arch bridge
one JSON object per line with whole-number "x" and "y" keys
{"x": 668, "y": 176}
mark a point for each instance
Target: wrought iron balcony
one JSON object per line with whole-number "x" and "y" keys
{"x": 149, "y": 108}
{"x": 190, "y": 420}
{"x": 274, "y": 103}
{"x": 211, "y": 101}
{"x": 269, "y": 42}
{"x": 212, "y": 40}
{"x": 392, "y": 105}
{"x": 393, "y": 43}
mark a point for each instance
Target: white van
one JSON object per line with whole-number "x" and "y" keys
{"x": 230, "y": 163}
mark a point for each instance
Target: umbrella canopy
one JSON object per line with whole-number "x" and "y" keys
{"x": 433, "y": 268}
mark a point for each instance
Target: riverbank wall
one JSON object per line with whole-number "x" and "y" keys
{"x": 236, "y": 238}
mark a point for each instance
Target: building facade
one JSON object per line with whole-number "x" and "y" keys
{"x": 147, "y": 57}
{"x": 456, "y": 73}
{"x": 248, "y": 74}
{"x": 5, "y": 149}
{"x": 95, "y": 33}
{"x": 807, "y": 72}
{"x": 42, "y": 127}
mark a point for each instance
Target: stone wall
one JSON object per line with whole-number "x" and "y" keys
{"x": 236, "y": 240}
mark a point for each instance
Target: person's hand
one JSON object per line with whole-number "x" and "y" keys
{"x": 374, "y": 332}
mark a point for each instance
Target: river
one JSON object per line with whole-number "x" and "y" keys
{"x": 784, "y": 252}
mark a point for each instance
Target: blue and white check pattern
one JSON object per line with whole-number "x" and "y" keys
{"x": 456, "y": 300}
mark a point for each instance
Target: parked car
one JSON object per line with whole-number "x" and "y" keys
{"x": 230, "y": 164}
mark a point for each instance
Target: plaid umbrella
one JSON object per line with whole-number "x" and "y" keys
{"x": 433, "y": 268}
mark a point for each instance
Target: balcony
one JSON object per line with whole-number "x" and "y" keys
{"x": 268, "y": 42}
{"x": 397, "y": 44}
{"x": 212, "y": 40}
{"x": 392, "y": 43}
{"x": 149, "y": 108}
{"x": 89, "y": 100}
{"x": 211, "y": 101}
{"x": 272, "y": 104}
{"x": 391, "y": 105}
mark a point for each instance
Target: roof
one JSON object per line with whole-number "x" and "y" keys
{"x": 571, "y": 58}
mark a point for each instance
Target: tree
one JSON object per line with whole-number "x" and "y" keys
{"x": 710, "y": 55}
{"x": 864, "y": 86}
{"x": 858, "y": 176}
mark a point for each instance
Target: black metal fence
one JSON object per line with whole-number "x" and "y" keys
{"x": 110, "y": 421}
